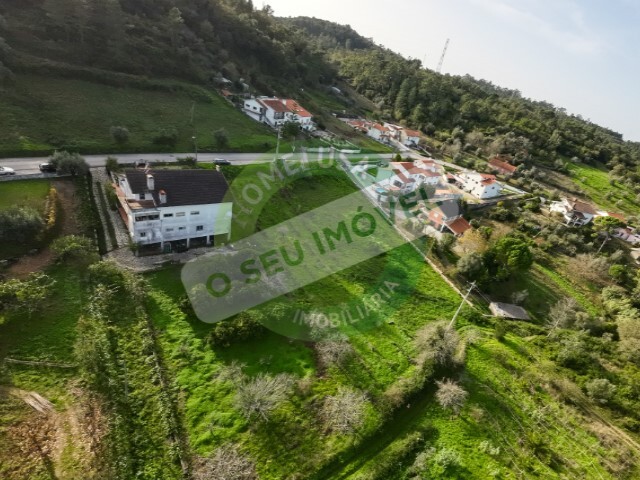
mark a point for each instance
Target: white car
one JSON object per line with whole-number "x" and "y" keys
{"x": 7, "y": 171}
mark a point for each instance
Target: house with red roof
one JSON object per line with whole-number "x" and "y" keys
{"x": 501, "y": 165}
{"x": 379, "y": 132}
{"x": 448, "y": 216}
{"x": 275, "y": 112}
{"x": 409, "y": 137}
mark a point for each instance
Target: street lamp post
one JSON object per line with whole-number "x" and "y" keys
{"x": 275, "y": 159}
{"x": 195, "y": 144}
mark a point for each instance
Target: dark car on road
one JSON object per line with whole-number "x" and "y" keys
{"x": 47, "y": 167}
{"x": 221, "y": 161}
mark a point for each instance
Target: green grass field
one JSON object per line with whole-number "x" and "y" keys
{"x": 42, "y": 114}
{"x": 30, "y": 193}
{"x": 595, "y": 182}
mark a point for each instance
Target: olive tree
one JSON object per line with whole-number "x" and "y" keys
{"x": 258, "y": 397}
{"x": 451, "y": 396}
{"x": 345, "y": 411}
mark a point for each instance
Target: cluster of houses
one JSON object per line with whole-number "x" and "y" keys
{"x": 440, "y": 209}
{"x": 275, "y": 112}
{"x": 385, "y": 132}
{"x": 577, "y": 213}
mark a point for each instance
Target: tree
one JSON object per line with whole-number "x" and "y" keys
{"x": 451, "y": 396}
{"x": 344, "y": 412}
{"x": 69, "y": 163}
{"x": 600, "y": 389}
{"x": 20, "y": 224}
{"x": 226, "y": 463}
{"x": 472, "y": 267}
{"x": 112, "y": 165}
{"x": 334, "y": 352}
{"x": 439, "y": 343}
{"x": 606, "y": 225}
{"x": 563, "y": 313}
{"x": 119, "y": 134}
{"x": 258, "y": 397}
{"x": 221, "y": 137}
{"x": 176, "y": 22}
{"x": 509, "y": 255}
{"x": 290, "y": 130}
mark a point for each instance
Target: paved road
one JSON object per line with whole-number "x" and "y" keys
{"x": 29, "y": 165}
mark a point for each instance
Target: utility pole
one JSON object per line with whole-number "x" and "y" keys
{"x": 195, "y": 144}
{"x": 464, "y": 299}
{"x": 275, "y": 159}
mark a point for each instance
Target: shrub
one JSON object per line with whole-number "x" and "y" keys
{"x": 259, "y": 397}
{"x": 243, "y": 326}
{"x": 167, "y": 137}
{"x": 600, "y": 389}
{"x": 439, "y": 343}
{"x": 20, "y": 224}
{"x": 451, "y": 396}
{"x": 73, "y": 246}
{"x": 345, "y": 411}
{"x": 119, "y": 134}
{"x": 227, "y": 462}
{"x": 112, "y": 165}
{"x": 221, "y": 138}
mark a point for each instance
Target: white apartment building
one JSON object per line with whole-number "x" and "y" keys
{"x": 176, "y": 206}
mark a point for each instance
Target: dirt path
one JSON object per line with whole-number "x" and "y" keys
{"x": 67, "y": 205}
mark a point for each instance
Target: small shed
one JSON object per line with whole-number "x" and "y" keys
{"x": 508, "y": 310}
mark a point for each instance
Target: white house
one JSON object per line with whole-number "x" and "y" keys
{"x": 181, "y": 206}
{"x": 480, "y": 185}
{"x": 409, "y": 138}
{"x": 276, "y": 112}
{"x": 575, "y": 212}
{"x": 379, "y": 132}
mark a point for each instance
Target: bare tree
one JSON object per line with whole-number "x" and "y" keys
{"x": 563, "y": 314}
{"x": 439, "y": 342}
{"x": 227, "y": 463}
{"x": 589, "y": 267}
{"x": 334, "y": 352}
{"x": 261, "y": 395}
{"x": 345, "y": 411}
{"x": 451, "y": 396}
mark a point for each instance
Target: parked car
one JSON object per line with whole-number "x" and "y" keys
{"x": 47, "y": 167}
{"x": 7, "y": 171}
{"x": 221, "y": 161}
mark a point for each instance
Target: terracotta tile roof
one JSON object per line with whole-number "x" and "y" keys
{"x": 412, "y": 133}
{"x": 379, "y": 127}
{"x": 403, "y": 178}
{"x": 619, "y": 216}
{"x": 296, "y": 108}
{"x": 582, "y": 207}
{"x": 459, "y": 226}
{"x": 274, "y": 104}
{"x": 502, "y": 165}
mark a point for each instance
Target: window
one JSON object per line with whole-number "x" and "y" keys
{"x": 199, "y": 228}
{"x": 195, "y": 213}
{"x": 144, "y": 218}
{"x": 169, "y": 230}
{"x": 182, "y": 228}
{"x": 143, "y": 234}
{"x": 180, "y": 214}
{"x": 167, "y": 215}
{"x": 142, "y": 196}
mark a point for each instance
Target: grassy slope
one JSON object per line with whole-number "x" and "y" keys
{"x": 41, "y": 114}
{"x": 595, "y": 182}
{"x": 31, "y": 193}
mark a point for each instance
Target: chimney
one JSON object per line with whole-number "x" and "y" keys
{"x": 150, "y": 183}
{"x": 162, "y": 196}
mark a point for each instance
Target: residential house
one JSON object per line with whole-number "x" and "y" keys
{"x": 575, "y": 212}
{"x": 409, "y": 137}
{"x": 501, "y": 165}
{"x": 379, "y": 132}
{"x": 174, "y": 206}
{"x": 275, "y": 112}
{"x": 480, "y": 185}
{"x": 448, "y": 216}
{"x": 627, "y": 234}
